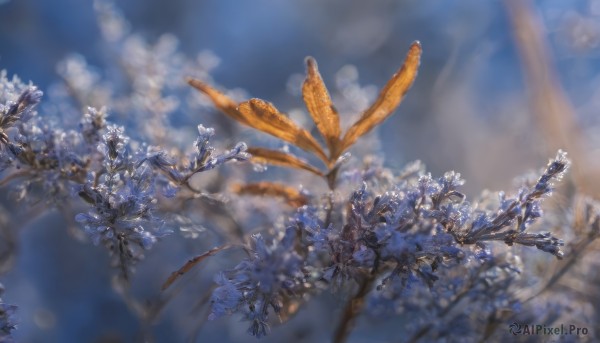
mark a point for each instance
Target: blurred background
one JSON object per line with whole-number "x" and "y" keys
{"x": 470, "y": 69}
{"x": 474, "y": 108}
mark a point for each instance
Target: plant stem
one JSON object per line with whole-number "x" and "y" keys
{"x": 353, "y": 308}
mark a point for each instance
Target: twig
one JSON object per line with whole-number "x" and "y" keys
{"x": 353, "y": 308}
{"x": 14, "y": 176}
{"x": 190, "y": 264}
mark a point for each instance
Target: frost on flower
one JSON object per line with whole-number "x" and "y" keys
{"x": 264, "y": 282}
{"x": 412, "y": 244}
{"x": 123, "y": 200}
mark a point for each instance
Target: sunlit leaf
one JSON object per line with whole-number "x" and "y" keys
{"x": 265, "y": 117}
{"x": 262, "y": 116}
{"x": 280, "y": 158}
{"x": 389, "y": 98}
{"x": 190, "y": 264}
{"x": 221, "y": 101}
{"x": 291, "y": 196}
{"x": 319, "y": 105}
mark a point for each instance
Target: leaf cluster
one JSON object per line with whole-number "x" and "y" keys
{"x": 265, "y": 117}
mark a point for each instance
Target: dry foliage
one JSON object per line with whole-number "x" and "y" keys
{"x": 190, "y": 264}
{"x": 264, "y": 117}
{"x": 291, "y": 195}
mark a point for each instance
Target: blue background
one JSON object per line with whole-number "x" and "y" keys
{"x": 467, "y": 111}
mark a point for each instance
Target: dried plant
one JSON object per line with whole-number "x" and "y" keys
{"x": 264, "y": 117}
{"x": 360, "y": 249}
{"x": 391, "y": 246}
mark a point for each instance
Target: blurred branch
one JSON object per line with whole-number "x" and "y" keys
{"x": 552, "y": 109}
{"x": 352, "y": 310}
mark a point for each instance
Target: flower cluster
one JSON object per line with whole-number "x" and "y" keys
{"x": 272, "y": 277}
{"x": 123, "y": 196}
{"x": 395, "y": 242}
{"x": 99, "y": 163}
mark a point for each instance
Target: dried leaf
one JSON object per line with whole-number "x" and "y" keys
{"x": 389, "y": 98}
{"x": 190, "y": 264}
{"x": 319, "y": 105}
{"x": 265, "y": 117}
{"x": 279, "y": 158}
{"x": 291, "y": 196}
{"x": 221, "y": 101}
{"x": 262, "y": 116}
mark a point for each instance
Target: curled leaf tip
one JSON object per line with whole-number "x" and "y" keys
{"x": 311, "y": 64}
{"x": 195, "y": 83}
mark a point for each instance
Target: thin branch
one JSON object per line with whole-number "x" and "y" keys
{"x": 353, "y": 308}
{"x": 14, "y": 176}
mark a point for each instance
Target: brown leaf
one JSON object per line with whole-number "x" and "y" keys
{"x": 279, "y": 158}
{"x": 221, "y": 101}
{"x": 265, "y": 117}
{"x": 389, "y": 98}
{"x": 262, "y": 116}
{"x": 190, "y": 264}
{"x": 291, "y": 196}
{"x": 319, "y": 105}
